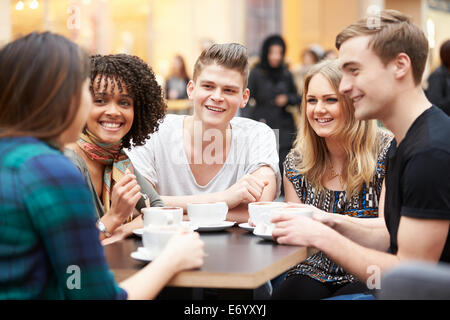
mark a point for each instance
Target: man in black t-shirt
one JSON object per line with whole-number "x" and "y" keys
{"x": 418, "y": 182}
{"x": 382, "y": 59}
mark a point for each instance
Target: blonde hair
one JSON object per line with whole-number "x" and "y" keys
{"x": 394, "y": 34}
{"x": 359, "y": 138}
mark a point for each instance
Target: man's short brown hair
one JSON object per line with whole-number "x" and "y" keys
{"x": 229, "y": 55}
{"x": 391, "y": 33}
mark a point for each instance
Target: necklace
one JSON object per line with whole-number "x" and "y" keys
{"x": 333, "y": 174}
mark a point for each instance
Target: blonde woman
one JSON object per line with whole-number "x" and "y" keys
{"x": 337, "y": 168}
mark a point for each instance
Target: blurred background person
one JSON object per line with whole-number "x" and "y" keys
{"x": 309, "y": 58}
{"x": 330, "y": 54}
{"x": 178, "y": 79}
{"x": 272, "y": 89}
{"x": 438, "y": 91}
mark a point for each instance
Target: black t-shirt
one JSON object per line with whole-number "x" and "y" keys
{"x": 418, "y": 175}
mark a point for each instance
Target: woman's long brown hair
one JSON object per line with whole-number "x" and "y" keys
{"x": 41, "y": 76}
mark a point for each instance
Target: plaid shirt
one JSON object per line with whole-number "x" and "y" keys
{"x": 49, "y": 244}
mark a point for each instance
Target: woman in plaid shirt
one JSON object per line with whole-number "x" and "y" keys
{"x": 47, "y": 215}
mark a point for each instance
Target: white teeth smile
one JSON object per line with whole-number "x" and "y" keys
{"x": 215, "y": 109}
{"x": 110, "y": 125}
{"x": 324, "y": 120}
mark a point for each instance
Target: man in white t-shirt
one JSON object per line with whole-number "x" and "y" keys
{"x": 213, "y": 155}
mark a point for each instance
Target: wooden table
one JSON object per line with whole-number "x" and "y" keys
{"x": 236, "y": 259}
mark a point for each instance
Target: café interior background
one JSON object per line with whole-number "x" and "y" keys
{"x": 157, "y": 30}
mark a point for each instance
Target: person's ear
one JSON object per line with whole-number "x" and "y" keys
{"x": 402, "y": 65}
{"x": 190, "y": 88}
{"x": 245, "y": 96}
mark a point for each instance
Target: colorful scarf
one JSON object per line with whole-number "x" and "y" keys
{"x": 111, "y": 155}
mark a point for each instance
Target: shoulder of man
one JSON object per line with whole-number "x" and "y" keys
{"x": 168, "y": 121}
{"x": 438, "y": 132}
{"x": 249, "y": 126}
{"x": 166, "y": 128}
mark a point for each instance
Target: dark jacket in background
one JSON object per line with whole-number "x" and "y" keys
{"x": 263, "y": 89}
{"x": 438, "y": 91}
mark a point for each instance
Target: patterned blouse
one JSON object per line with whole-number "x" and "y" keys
{"x": 363, "y": 205}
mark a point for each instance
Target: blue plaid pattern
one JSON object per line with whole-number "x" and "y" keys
{"x": 47, "y": 225}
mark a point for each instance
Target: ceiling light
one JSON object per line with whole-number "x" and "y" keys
{"x": 20, "y": 5}
{"x": 34, "y": 4}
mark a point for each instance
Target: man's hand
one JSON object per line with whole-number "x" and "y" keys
{"x": 247, "y": 189}
{"x": 326, "y": 218}
{"x": 296, "y": 230}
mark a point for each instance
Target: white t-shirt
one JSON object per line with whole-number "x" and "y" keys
{"x": 163, "y": 161}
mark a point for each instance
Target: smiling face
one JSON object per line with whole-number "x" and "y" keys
{"x": 366, "y": 79}
{"x": 217, "y": 94}
{"x": 323, "y": 109}
{"x": 112, "y": 113}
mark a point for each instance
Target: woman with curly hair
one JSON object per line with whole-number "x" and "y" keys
{"x": 47, "y": 219}
{"x": 127, "y": 107}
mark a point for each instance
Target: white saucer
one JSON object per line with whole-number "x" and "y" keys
{"x": 142, "y": 254}
{"x": 139, "y": 231}
{"x": 265, "y": 236}
{"x": 246, "y": 226}
{"x": 216, "y": 227}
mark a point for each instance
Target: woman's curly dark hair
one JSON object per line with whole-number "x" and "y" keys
{"x": 140, "y": 82}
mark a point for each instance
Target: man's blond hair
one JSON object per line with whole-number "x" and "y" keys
{"x": 229, "y": 55}
{"x": 391, "y": 33}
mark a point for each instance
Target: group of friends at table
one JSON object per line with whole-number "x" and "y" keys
{"x": 83, "y": 138}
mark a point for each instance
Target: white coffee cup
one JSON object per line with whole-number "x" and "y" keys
{"x": 257, "y": 209}
{"x": 207, "y": 213}
{"x": 305, "y": 212}
{"x": 162, "y": 216}
{"x": 265, "y": 226}
{"x": 155, "y": 238}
